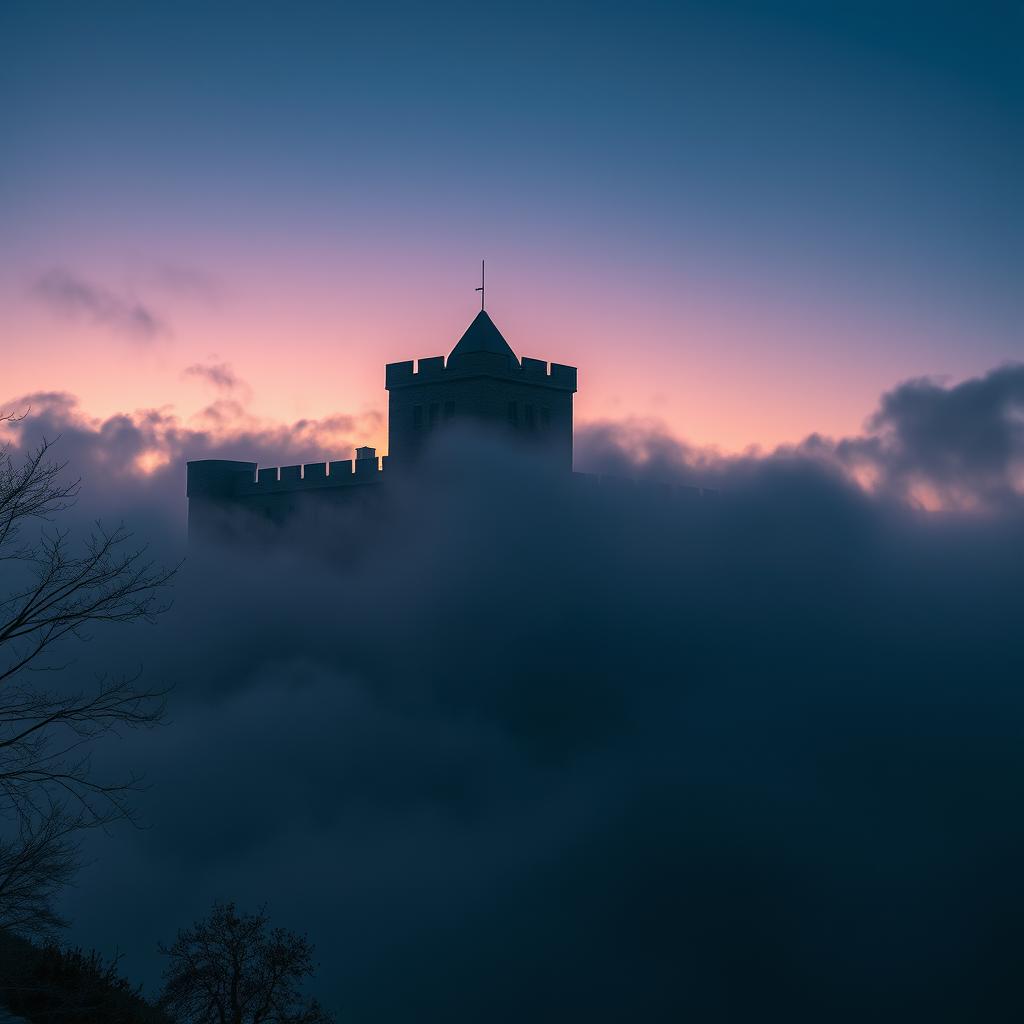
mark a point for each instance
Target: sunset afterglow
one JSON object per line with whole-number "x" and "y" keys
{"x": 633, "y": 638}
{"x": 745, "y": 281}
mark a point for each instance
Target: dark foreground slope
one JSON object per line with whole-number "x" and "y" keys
{"x": 48, "y": 983}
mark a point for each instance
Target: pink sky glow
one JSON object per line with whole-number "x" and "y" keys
{"x": 307, "y": 335}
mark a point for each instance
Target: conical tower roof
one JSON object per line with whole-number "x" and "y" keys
{"x": 482, "y": 336}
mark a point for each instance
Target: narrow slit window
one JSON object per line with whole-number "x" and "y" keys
{"x": 513, "y": 414}
{"x": 432, "y": 415}
{"x": 531, "y": 423}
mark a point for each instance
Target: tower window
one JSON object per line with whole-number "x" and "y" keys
{"x": 531, "y": 423}
{"x": 432, "y": 415}
{"x": 513, "y": 414}
{"x": 449, "y": 410}
{"x": 417, "y": 417}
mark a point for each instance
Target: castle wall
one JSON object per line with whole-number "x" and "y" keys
{"x": 227, "y": 498}
{"x": 232, "y": 501}
{"x": 532, "y": 401}
{"x": 529, "y": 399}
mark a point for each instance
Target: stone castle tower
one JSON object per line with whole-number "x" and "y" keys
{"x": 482, "y": 381}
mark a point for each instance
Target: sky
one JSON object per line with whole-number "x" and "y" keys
{"x": 512, "y": 749}
{"x": 745, "y": 223}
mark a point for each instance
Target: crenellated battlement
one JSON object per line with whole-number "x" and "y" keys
{"x": 436, "y": 369}
{"x": 483, "y": 382}
{"x": 218, "y": 489}
{"x": 223, "y": 479}
{"x": 216, "y": 486}
{"x": 220, "y": 478}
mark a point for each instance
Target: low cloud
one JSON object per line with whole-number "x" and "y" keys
{"x": 69, "y": 295}
{"x": 930, "y": 446}
{"x": 927, "y": 446}
{"x": 529, "y": 753}
{"x": 964, "y": 445}
{"x": 133, "y": 464}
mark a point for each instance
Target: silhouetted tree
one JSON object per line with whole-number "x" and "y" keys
{"x": 50, "y": 984}
{"x": 52, "y": 591}
{"x": 233, "y": 968}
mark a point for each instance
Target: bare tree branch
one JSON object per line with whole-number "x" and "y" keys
{"x": 234, "y": 968}
{"x": 51, "y": 594}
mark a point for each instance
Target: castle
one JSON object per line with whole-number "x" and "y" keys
{"x": 482, "y": 381}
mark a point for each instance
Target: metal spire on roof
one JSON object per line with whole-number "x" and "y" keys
{"x": 483, "y": 282}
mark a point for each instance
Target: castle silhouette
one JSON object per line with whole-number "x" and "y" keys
{"x": 482, "y": 381}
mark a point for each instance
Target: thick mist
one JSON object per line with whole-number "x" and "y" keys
{"x": 516, "y": 749}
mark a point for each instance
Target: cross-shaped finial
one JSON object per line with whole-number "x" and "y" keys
{"x": 482, "y": 283}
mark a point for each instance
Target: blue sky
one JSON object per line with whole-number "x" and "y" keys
{"x": 845, "y": 174}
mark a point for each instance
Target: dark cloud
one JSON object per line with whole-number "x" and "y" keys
{"x": 927, "y": 445}
{"x": 133, "y": 465}
{"x": 532, "y": 751}
{"x": 69, "y": 295}
{"x": 964, "y": 443}
{"x": 220, "y": 375}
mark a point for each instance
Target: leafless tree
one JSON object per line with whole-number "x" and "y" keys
{"x": 233, "y": 968}
{"x": 51, "y": 593}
